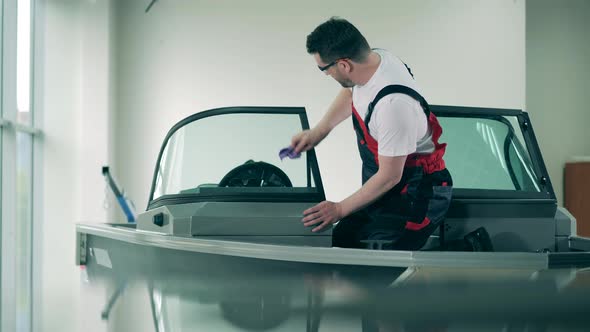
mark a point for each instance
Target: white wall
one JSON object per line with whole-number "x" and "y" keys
{"x": 558, "y": 77}
{"x": 75, "y": 146}
{"x": 187, "y": 56}
{"x": 61, "y": 153}
{"x": 183, "y": 57}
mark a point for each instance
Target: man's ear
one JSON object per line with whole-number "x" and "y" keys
{"x": 347, "y": 66}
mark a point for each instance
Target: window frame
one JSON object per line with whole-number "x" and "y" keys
{"x": 10, "y": 127}
{"x": 8, "y": 168}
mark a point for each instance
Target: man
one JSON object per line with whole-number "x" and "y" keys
{"x": 406, "y": 188}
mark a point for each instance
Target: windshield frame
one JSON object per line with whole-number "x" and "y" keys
{"x": 312, "y": 164}
{"x": 546, "y": 195}
{"x": 546, "y": 189}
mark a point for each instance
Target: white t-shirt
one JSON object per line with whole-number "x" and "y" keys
{"x": 398, "y": 122}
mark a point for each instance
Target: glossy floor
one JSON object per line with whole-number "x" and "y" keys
{"x": 139, "y": 288}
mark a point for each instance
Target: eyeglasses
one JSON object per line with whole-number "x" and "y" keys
{"x": 326, "y": 67}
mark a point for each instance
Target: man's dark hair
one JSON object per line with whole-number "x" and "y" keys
{"x": 336, "y": 39}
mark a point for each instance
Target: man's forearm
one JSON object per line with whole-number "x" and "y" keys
{"x": 325, "y": 213}
{"x": 339, "y": 110}
{"x": 372, "y": 190}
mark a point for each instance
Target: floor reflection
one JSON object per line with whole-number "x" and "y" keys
{"x": 166, "y": 290}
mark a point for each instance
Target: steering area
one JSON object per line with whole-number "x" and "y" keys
{"x": 256, "y": 174}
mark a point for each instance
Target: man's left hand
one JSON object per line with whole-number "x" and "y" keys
{"x": 322, "y": 215}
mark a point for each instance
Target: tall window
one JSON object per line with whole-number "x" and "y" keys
{"x": 18, "y": 136}
{"x": 24, "y": 168}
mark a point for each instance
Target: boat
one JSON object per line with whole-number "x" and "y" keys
{"x": 223, "y": 226}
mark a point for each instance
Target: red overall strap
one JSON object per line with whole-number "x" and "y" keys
{"x": 367, "y": 140}
{"x": 431, "y": 162}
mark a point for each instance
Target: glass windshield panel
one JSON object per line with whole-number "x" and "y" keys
{"x": 488, "y": 153}
{"x": 233, "y": 153}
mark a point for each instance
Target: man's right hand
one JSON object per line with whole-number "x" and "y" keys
{"x": 307, "y": 140}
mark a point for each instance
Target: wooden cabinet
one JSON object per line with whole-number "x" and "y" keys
{"x": 577, "y": 193}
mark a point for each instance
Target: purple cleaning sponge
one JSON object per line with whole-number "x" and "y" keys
{"x": 288, "y": 152}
